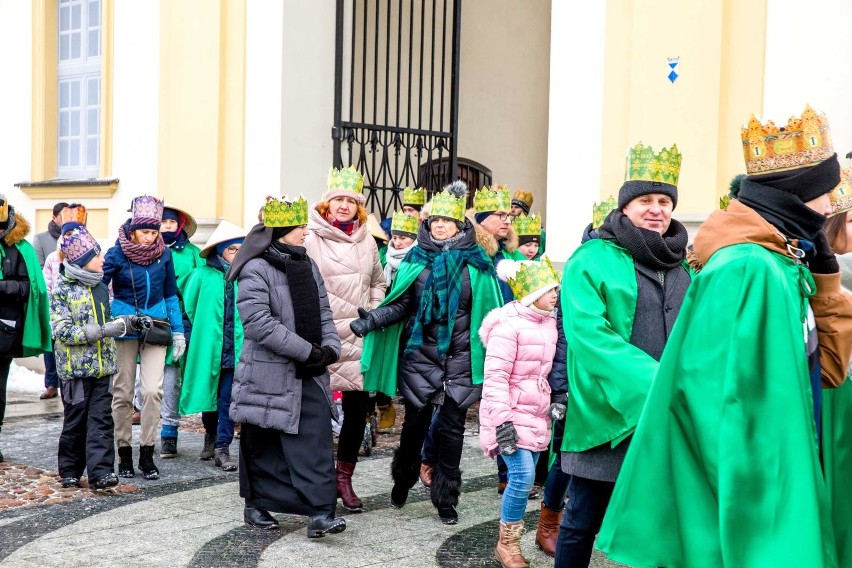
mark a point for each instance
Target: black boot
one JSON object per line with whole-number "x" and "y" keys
{"x": 105, "y": 481}
{"x": 209, "y": 447}
{"x": 322, "y": 525}
{"x": 125, "y": 462}
{"x": 404, "y": 477}
{"x": 168, "y": 447}
{"x": 259, "y": 518}
{"x": 446, "y": 488}
{"x": 70, "y": 482}
{"x": 146, "y": 463}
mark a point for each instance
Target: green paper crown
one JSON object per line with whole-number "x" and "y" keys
{"x": 405, "y": 223}
{"x": 527, "y": 225}
{"x": 643, "y": 164}
{"x": 345, "y": 179}
{"x": 413, "y": 196}
{"x": 724, "y": 201}
{"x": 533, "y": 275}
{"x": 601, "y": 210}
{"x": 278, "y": 212}
{"x": 495, "y": 198}
{"x": 445, "y": 204}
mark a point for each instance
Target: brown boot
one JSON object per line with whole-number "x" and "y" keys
{"x": 508, "y": 550}
{"x": 351, "y": 502}
{"x": 548, "y": 530}
{"x": 426, "y": 475}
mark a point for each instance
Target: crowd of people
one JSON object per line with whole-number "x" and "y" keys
{"x": 671, "y": 404}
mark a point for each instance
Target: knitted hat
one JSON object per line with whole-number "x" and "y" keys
{"x": 185, "y": 220}
{"x": 79, "y": 247}
{"x": 345, "y": 182}
{"x": 650, "y": 172}
{"x": 225, "y": 231}
{"x": 523, "y": 199}
{"x": 806, "y": 183}
{"x": 146, "y": 212}
{"x": 528, "y": 279}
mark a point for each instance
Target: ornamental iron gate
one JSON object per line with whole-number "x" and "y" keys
{"x": 396, "y": 97}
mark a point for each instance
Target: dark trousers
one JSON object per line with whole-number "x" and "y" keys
{"x": 448, "y": 440}
{"x": 51, "y": 379}
{"x": 581, "y": 521}
{"x": 556, "y": 483}
{"x": 5, "y": 363}
{"x": 355, "y": 405}
{"x": 428, "y": 456}
{"x": 219, "y": 422}
{"x": 87, "y": 440}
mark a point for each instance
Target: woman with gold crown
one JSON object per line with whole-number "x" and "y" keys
{"x": 426, "y": 331}
{"x": 281, "y": 393}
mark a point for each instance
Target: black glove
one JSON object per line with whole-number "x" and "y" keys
{"x": 137, "y": 323}
{"x": 507, "y": 438}
{"x": 824, "y": 261}
{"x": 557, "y": 406}
{"x": 316, "y": 356}
{"x": 329, "y": 356}
{"x": 362, "y": 325}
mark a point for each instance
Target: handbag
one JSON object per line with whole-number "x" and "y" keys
{"x": 160, "y": 332}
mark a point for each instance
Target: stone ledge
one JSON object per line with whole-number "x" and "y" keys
{"x": 68, "y": 189}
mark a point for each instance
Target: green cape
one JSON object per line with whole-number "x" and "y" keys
{"x": 724, "y": 469}
{"x": 837, "y": 464}
{"x": 381, "y": 353}
{"x": 204, "y": 302}
{"x": 184, "y": 261}
{"x": 37, "y": 334}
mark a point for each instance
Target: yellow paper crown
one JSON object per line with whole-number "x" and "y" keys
{"x": 527, "y": 225}
{"x": 533, "y": 275}
{"x": 724, "y": 201}
{"x": 405, "y": 223}
{"x": 805, "y": 141}
{"x": 643, "y": 164}
{"x": 524, "y": 197}
{"x": 76, "y": 214}
{"x": 494, "y": 198}
{"x": 413, "y": 196}
{"x": 278, "y": 212}
{"x": 841, "y": 196}
{"x": 601, "y": 210}
{"x": 345, "y": 179}
{"x": 445, "y": 204}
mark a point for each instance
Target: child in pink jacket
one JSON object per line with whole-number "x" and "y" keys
{"x": 515, "y": 412}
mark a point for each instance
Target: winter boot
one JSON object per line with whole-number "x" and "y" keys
{"x": 508, "y": 550}
{"x": 168, "y": 447}
{"x": 146, "y": 463}
{"x": 125, "y": 462}
{"x": 404, "y": 477}
{"x": 105, "y": 481}
{"x": 351, "y": 502}
{"x": 321, "y": 525}
{"x": 209, "y": 447}
{"x": 426, "y": 475}
{"x": 548, "y": 530}
{"x": 222, "y": 458}
{"x": 446, "y": 488}
{"x": 387, "y": 417}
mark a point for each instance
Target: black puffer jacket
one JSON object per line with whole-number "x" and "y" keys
{"x": 422, "y": 375}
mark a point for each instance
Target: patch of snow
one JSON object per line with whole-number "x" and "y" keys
{"x": 22, "y": 380}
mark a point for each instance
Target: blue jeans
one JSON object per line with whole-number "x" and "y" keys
{"x": 429, "y": 454}
{"x": 51, "y": 379}
{"x": 521, "y": 474}
{"x": 556, "y": 484}
{"x": 584, "y": 513}
{"x": 219, "y": 421}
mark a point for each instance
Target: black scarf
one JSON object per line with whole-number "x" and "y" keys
{"x": 785, "y": 211}
{"x": 304, "y": 294}
{"x": 54, "y": 230}
{"x": 650, "y": 248}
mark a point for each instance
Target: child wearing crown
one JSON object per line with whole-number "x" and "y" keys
{"x": 404, "y": 229}
{"x": 516, "y": 410}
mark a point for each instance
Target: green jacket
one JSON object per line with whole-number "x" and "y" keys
{"x": 185, "y": 261}
{"x": 725, "y": 455}
{"x": 204, "y": 302}
{"x": 608, "y": 378}
{"x": 36, "y": 339}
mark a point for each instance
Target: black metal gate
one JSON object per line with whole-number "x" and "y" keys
{"x": 396, "y": 95}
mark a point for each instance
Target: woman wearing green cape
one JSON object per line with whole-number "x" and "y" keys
{"x": 426, "y": 330}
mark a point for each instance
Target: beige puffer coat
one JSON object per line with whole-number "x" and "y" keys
{"x": 354, "y": 279}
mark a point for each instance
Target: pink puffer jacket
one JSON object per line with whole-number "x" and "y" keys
{"x": 520, "y": 345}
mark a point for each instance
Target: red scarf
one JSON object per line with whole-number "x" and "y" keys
{"x": 140, "y": 254}
{"x": 347, "y": 227}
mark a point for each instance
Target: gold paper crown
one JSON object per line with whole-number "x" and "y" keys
{"x": 805, "y": 141}
{"x": 494, "y": 198}
{"x": 4, "y": 208}
{"x": 533, "y": 275}
{"x": 527, "y": 225}
{"x": 76, "y": 214}
{"x": 445, "y": 204}
{"x": 643, "y": 164}
{"x": 524, "y": 197}
{"x": 413, "y": 196}
{"x": 601, "y": 210}
{"x": 345, "y": 179}
{"x": 278, "y": 212}
{"x": 405, "y": 223}
{"x": 841, "y": 196}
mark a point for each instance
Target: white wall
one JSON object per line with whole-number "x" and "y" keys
{"x": 16, "y": 103}
{"x": 807, "y": 61}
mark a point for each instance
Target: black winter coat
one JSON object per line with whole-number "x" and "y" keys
{"x": 14, "y": 293}
{"x": 422, "y": 375}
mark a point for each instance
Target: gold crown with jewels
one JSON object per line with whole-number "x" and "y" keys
{"x": 841, "y": 196}
{"x": 805, "y": 141}
{"x": 279, "y": 212}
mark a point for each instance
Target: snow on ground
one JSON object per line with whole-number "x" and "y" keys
{"x": 22, "y": 380}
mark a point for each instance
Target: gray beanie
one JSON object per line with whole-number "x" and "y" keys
{"x": 633, "y": 189}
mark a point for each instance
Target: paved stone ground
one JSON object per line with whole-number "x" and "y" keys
{"x": 192, "y": 516}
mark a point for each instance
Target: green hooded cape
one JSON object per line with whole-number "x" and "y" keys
{"x": 37, "y": 334}
{"x": 380, "y": 357}
{"x": 184, "y": 261}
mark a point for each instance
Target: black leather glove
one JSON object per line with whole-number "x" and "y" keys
{"x": 507, "y": 438}
{"x": 329, "y": 355}
{"x": 316, "y": 356}
{"x": 824, "y": 261}
{"x": 363, "y": 325}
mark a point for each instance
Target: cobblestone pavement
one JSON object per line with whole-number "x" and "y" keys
{"x": 192, "y": 516}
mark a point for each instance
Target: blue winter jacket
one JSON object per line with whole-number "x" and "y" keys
{"x": 156, "y": 287}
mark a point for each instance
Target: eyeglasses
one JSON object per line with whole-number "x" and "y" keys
{"x": 232, "y": 249}
{"x": 502, "y": 216}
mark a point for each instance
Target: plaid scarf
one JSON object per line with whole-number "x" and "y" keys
{"x": 140, "y": 254}
{"x": 442, "y": 291}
